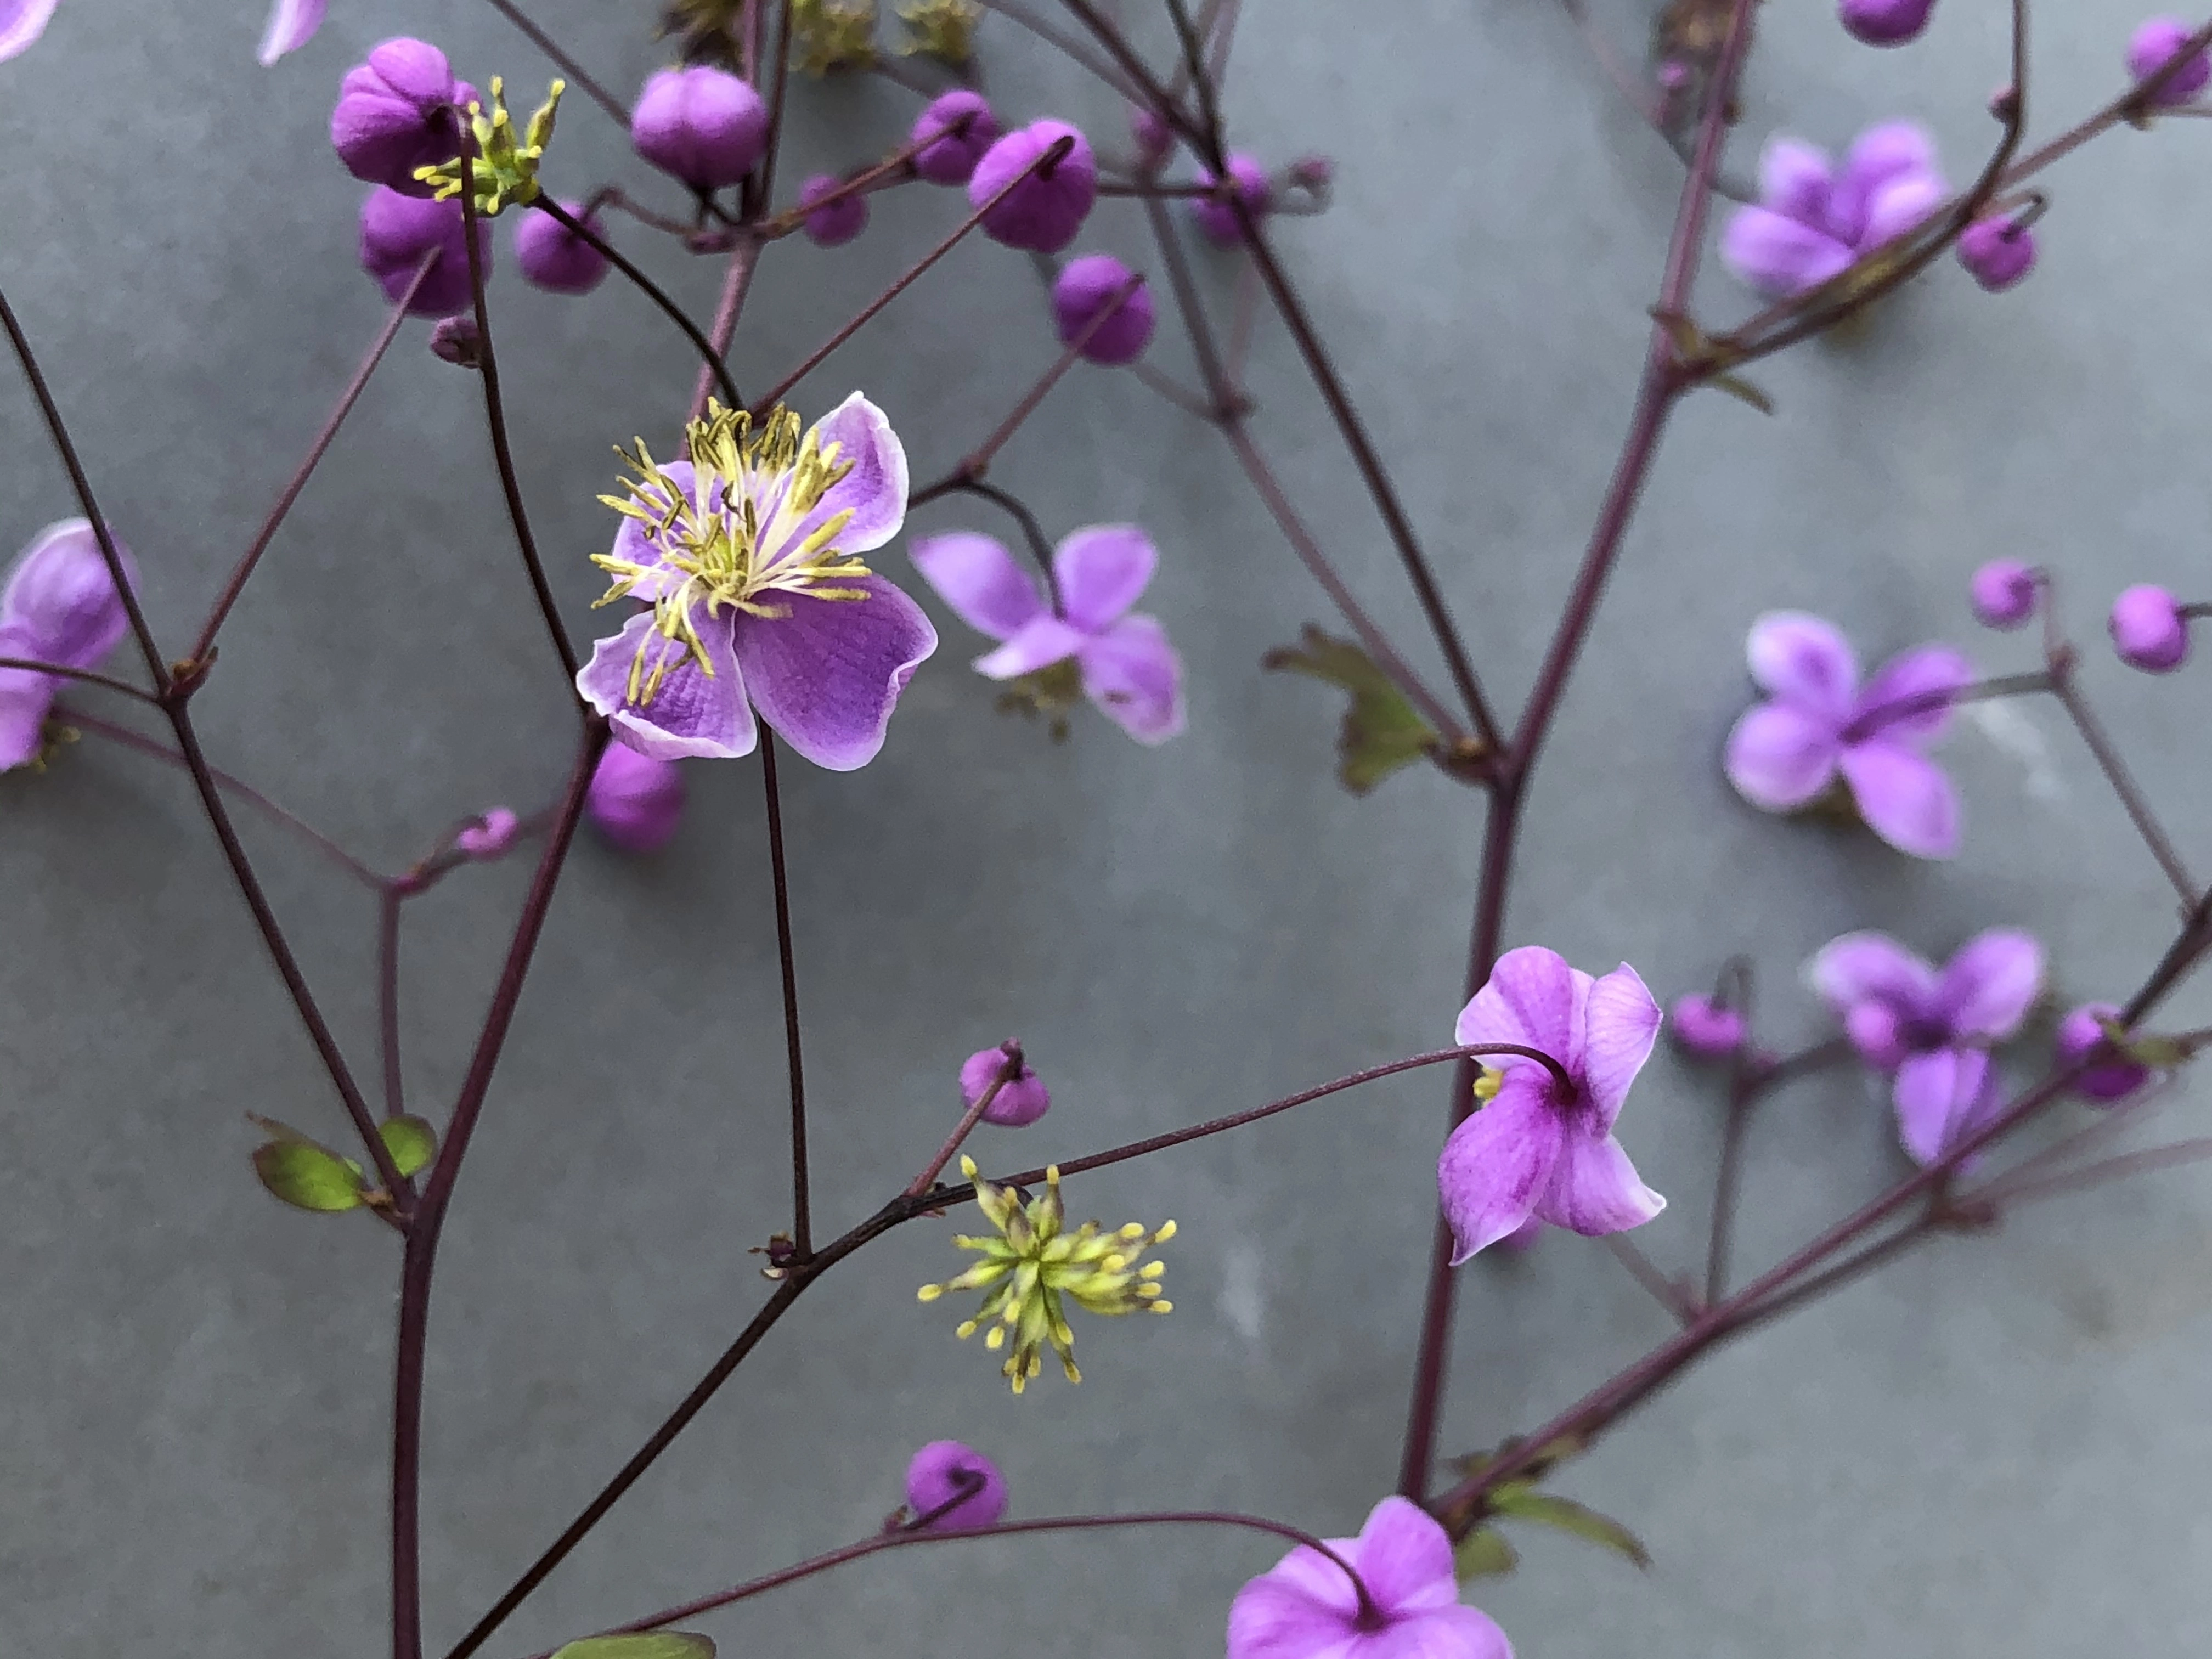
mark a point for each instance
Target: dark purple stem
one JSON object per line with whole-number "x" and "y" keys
{"x": 802, "y": 1215}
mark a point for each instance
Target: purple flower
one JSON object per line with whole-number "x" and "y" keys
{"x": 1997, "y": 251}
{"x": 1538, "y": 1147}
{"x": 941, "y": 1471}
{"x": 554, "y": 258}
{"x": 59, "y": 605}
{"x": 955, "y": 130}
{"x": 2153, "y": 46}
{"x": 1933, "y": 1029}
{"x": 1819, "y": 721}
{"x": 1885, "y": 22}
{"x": 1127, "y": 665}
{"x": 21, "y": 23}
{"x": 1305, "y": 1608}
{"x": 1022, "y": 1101}
{"x": 2148, "y": 630}
{"x": 636, "y": 801}
{"x": 840, "y": 221}
{"x": 2114, "y": 1074}
{"x": 749, "y": 555}
{"x": 396, "y": 112}
{"x": 291, "y": 24}
{"x": 1216, "y": 220}
{"x": 1087, "y": 287}
{"x": 490, "y": 836}
{"x": 1044, "y": 211}
{"x": 705, "y": 126}
{"x": 1813, "y": 222}
{"x": 1153, "y": 136}
{"x": 1705, "y": 1027}
{"x": 396, "y": 231}
{"x": 2002, "y": 593}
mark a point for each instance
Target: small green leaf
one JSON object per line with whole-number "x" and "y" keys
{"x": 306, "y": 1177}
{"x": 1380, "y": 732}
{"x": 1524, "y": 1503}
{"x": 1483, "y": 1553}
{"x": 646, "y": 1645}
{"x": 411, "y": 1142}
{"x": 1744, "y": 392}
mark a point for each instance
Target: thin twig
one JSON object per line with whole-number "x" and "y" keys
{"x": 652, "y": 290}
{"x": 617, "y": 109}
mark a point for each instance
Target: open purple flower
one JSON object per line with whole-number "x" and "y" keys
{"x": 1305, "y": 1608}
{"x": 1125, "y": 665}
{"x": 59, "y": 605}
{"x": 1541, "y": 1146}
{"x": 1819, "y": 722}
{"x": 748, "y": 555}
{"x": 1813, "y": 221}
{"x": 1932, "y": 1029}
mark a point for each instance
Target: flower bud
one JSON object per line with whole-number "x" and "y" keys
{"x": 60, "y": 598}
{"x": 2079, "y": 1035}
{"x": 1705, "y": 1027}
{"x": 1154, "y": 136}
{"x": 2153, "y": 46}
{"x": 962, "y": 125}
{"x": 1885, "y": 22}
{"x": 399, "y": 110}
{"x": 2149, "y": 630}
{"x": 396, "y": 231}
{"x": 553, "y": 258}
{"x": 636, "y": 801}
{"x": 490, "y": 834}
{"x": 1022, "y": 1100}
{"x": 1874, "y": 1030}
{"x": 1044, "y": 211}
{"x": 456, "y": 340}
{"x": 940, "y": 1472}
{"x": 1217, "y": 220}
{"x": 2002, "y": 593}
{"x": 1996, "y": 251}
{"x": 705, "y": 126}
{"x": 837, "y": 223}
{"x": 1087, "y": 287}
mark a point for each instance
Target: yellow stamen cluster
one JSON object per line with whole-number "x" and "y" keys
{"x": 733, "y": 538}
{"x": 501, "y": 170}
{"x": 834, "y": 34}
{"x": 1487, "y": 1085}
{"x": 943, "y": 29}
{"x": 1031, "y": 1267}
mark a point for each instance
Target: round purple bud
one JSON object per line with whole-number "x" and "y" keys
{"x": 944, "y": 1469}
{"x": 1216, "y": 220}
{"x": 1023, "y": 1100}
{"x": 1087, "y": 287}
{"x": 1045, "y": 209}
{"x": 961, "y": 127}
{"x": 2149, "y": 630}
{"x": 2002, "y": 593}
{"x": 396, "y": 231}
{"x": 2153, "y": 46}
{"x": 490, "y": 834}
{"x": 1873, "y": 1030}
{"x": 837, "y": 223}
{"x": 1708, "y": 1028}
{"x": 1997, "y": 251}
{"x": 554, "y": 258}
{"x": 1154, "y": 138}
{"x": 1885, "y": 22}
{"x": 399, "y": 110}
{"x": 2079, "y": 1035}
{"x": 456, "y": 340}
{"x": 703, "y": 124}
{"x": 637, "y": 801}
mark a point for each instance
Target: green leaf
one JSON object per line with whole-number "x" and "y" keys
{"x": 307, "y": 1176}
{"x": 1483, "y": 1553}
{"x": 411, "y": 1142}
{"x": 646, "y": 1645}
{"x": 1381, "y": 733}
{"x": 1524, "y": 1503}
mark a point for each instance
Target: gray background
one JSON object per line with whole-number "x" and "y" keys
{"x": 1998, "y": 1448}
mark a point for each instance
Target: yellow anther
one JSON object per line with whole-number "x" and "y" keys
{"x": 929, "y": 1293}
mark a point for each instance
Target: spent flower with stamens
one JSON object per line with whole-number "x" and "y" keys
{"x": 503, "y": 169}
{"x": 1032, "y": 1266}
{"x": 833, "y": 35}
{"x": 943, "y": 29}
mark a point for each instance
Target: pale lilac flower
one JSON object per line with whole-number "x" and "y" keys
{"x": 703, "y": 124}
{"x": 59, "y": 605}
{"x": 396, "y": 231}
{"x": 749, "y": 555}
{"x": 940, "y": 1472}
{"x": 1885, "y": 22}
{"x": 1216, "y": 220}
{"x": 291, "y": 24}
{"x": 1128, "y": 667}
{"x": 2002, "y": 593}
{"x": 1087, "y": 286}
{"x": 836, "y": 222}
{"x": 2148, "y": 630}
{"x": 398, "y": 112}
{"x": 490, "y": 836}
{"x": 2114, "y": 1074}
{"x": 1305, "y": 1608}
{"x": 1819, "y": 722}
{"x": 21, "y": 23}
{"x": 1932, "y": 1030}
{"x": 954, "y": 132}
{"x": 1044, "y": 211}
{"x": 1997, "y": 251}
{"x": 2153, "y": 46}
{"x": 636, "y": 801}
{"x": 1536, "y": 1147}
{"x": 1813, "y": 222}
{"x": 1021, "y": 1101}
{"x": 553, "y": 258}
{"x": 1705, "y": 1027}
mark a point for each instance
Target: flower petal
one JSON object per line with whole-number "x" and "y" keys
{"x": 1594, "y": 1190}
{"x": 1452, "y": 1632}
{"x": 1904, "y": 796}
{"x": 984, "y": 584}
{"x": 690, "y": 713}
{"x": 827, "y": 675}
{"x": 1802, "y": 660}
{"x": 21, "y": 23}
{"x": 1272, "y": 1619}
{"x": 1988, "y": 988}
{"x": 291, "y": 24}
{"x": 642, "y": 546}
{"x": 1494, "y": 1164}
{"x": 1794, "y": 178}
{"x": 1533, "y": 998}
{"x": 1619, "y": 1023}
{"x": 1872, "y": 966}
{"x": 1038, "y": 645}
{"x": 1406, "y": 1557}
{"x": 25, "y": 695}
{"x": 1909, "y": 683}
{"x": 1132, "y": 674}
{"x": 1898, "y": 206}
{"x": 1777, "y": 255}
{"x": 1939, "y": 1096}
{"x": 1882, "y": 156}
{"x": 875, "y": 489}
{"x": 1101, "y": 570}
{"x": 60, "y": 603}
{"x": 1780, "y": 756}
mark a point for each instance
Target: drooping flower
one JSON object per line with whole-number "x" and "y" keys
{"x": 59, "y": 605}
{"x": 636, "y": 801}
{"x": 2115, "y": 1074}
{"x": 1021, "y": 1100}
{"x": 2153, "y": 46}
{"x": 1932, "y": 1030}
{"x": 1997, "y": 251}
{"x": 1032, "y": 1266}
{"x": 1123, "y": 660}
{"x": 1885, "y": 22}
{"x": 553, "y": 258}
{"x": 2002, "y": 593}
{"x": 1813, "y": 220}
{"x": 396, "y": 231}
{"x": 1305, "y": 1608}
{"x": 2149, "y": 628}
{"x": 1088, "y": 285}
{"x": 1542, "y": 1144}
{"x": 1216, "y": 220}
{"x": 939, "y": 1473}
{"x": 1820, "y": 722}
{"x": 954, "y": 132}
{"x": 1047, "y": 206}
{"x": 399, "y": 110}
{"x": 749, "y": 555}
{"x": 705, "y": 126}
{"x": 834, "y": 222}
{"x": 1704, "y": 1026}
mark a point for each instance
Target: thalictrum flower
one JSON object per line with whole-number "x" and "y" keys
{"x": 1997, "y": 250}
{"x": 750, "y": 557}
{"x": 1541, "y": 1146}
{"x": 944, "y": 1469}
{"x": 703, "y": 124}
{"x": 490, "y": 836}
{"x": 553, "y": 258}
{"x": 1813, "y": 220}
{"x": 1047, "y": 206}
{"x": 1885, "y": 22}
{"x": 1819, "y": 722}
{"x": 2153, "y": 45}
{"x": 2002, "y": 593}
{"x": 1306, "y": 1608}
{"x": 2148, "y": 630}
{"x": 1705, "y": 1027}
{"x": 954, "y": 132}
{"x": 1021, "y": 1100}
{"x": 400, "y": 110}
{"x": 2087, "y": 1030}
{"x": 837, "y": 221}
{"x": 1216, "y": 220}
{"x": 291, "y": 24}
{"x": 1088, "y": 285}
{"x": 58, "y": 605}
{"x": 396, "y": 231}
{"x": 636, "y": 801}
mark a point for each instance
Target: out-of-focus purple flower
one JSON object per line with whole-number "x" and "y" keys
{"x": 1997, "y": 251}
{"x": 749, "y": 555}
{"x": 1305, "y": 1608}
{"x": 396, "y": 231}
{"x": 1536, "y": 1147}
{"x": 1088, "y": 285}
{"x": 1813, "y": 221}
{"x": 955, "y": 130}
{"x": 2153, "y": 46}
{"x": 1153, "y": 136}
{"x": 636, "y": 801}
{"x": 21, "y": 23}
{"x": 705, "y": 126}
{"x": 2148, "y": 630}
{"x": 554, "y": 258}
{"x": 1932, "y": 1030}
{"x": 291, "y": 24}
{"x": 1128, "y": 668}
{"x": 1022, "y": 1100}
{"x": 490, "y": 836}
{"x": 2081, "y": 1034}
{"x": 1216, "y": 220}
{"x": 836, "y": 222}
{"x": 1885, "y": 22}
{"x": 1818, "y": 721}
{"x": 59, "y": 605}
{"x": 1042, "y": 212}
{"x": 399, "y": 110}
{"x": 1705, "y": 1027}
{"x": 2002, "y": 593}
{"x": 944, "y": 1469}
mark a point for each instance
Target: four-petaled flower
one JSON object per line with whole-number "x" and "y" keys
{"x": 1933, "y": 1029}
{"x": 1820, "y": 721}
{"x": 1813, "y": 221}
{"x": 1543, "y": 1143}
{"x": 1305, "y": 1608}
{"x": 749, "y": 554}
